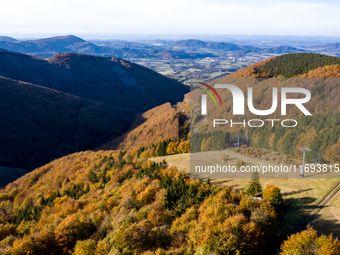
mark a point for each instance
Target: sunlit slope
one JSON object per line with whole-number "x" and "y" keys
{"x": 105, "y": 202}
{"x": 158, "y": 124}
{"x": 287, "y": 65}
{"x": 302, "y": 195}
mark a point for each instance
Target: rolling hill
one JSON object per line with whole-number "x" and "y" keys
{"x": 333, "y": 47}
{"x": 109, "y": 80}
{"x": 286, "y": 66}
{"x": 195, "y": 44}
{"x": 152, "y": 127}
{"x": 38, "y": 124}
{"x": 111, "y": 203}
{"x": 72, "y": 102}
{"x": 47, "y": 47}
{"x": 319, "y": 131}
{"x": 282, "y": 50}
{"x": 7, "y": 39}
{"x": 63, "y": 41}
{"x": 190, "y": 43}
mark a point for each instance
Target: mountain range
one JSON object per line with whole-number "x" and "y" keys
{"x": 51, "y": 46}
{"x": 108, "y": 80}
{"x": 99, "y": 84}
{"x": 7, "y": 39}
{"x": 113, "y": 202}
{"x": 282, "y": 50}
{"x": 295, "y": 65}
{"x": 47, "y": 47}
{"x": 72, "y": 102}
{"x": 193, "y": 43}
{"x": 183, "y": 49}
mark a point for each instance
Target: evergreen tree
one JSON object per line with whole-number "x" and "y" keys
{"x": 93, "y": 177}
{"x": 273, "y": 194}
{"x": 254, "y": 187}
{"x": 277, "y": 199}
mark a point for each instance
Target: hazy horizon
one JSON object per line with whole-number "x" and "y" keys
{"x": 245, "y": 39}
{"x": 264, "y": 17}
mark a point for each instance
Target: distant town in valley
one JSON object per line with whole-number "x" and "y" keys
{"x": 186, "y": 60}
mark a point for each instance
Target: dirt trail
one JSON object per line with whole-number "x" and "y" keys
{"x": 323, "y": 203}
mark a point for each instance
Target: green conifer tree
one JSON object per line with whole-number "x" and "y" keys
{"x": 254, "y": 186}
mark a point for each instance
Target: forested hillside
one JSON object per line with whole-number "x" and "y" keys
{"x": 320, "y": 131}
{"x": 109, "y": 80}
{"x": 116, "y": 202}
{"x": 330, "y": 71}
{"x": 38, "y": 124}
{"x": 289, "y": 65}
{"x": 111, "y": 203}
{"x": 158, "y": 124}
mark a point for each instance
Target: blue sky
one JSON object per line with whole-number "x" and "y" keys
{"x": 19, "y": 17}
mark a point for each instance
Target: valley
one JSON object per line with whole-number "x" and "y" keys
{"x": 191, "y": 71}
{"x": 107, "y": 143}
{"x": 186, "y": 60}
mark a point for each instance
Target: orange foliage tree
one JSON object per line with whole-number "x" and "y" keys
{"x": 308, "y": 242}
{"x": 332, "y": 154}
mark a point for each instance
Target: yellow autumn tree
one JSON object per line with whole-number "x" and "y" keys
{"x": 6, "y": 230}
{"x": 184, "y": 147}
{"x": 147, "y": 196}
{"x": 170, "y": 150}
{"x": 206, "y": 144}
{"x": 72, "y": 229}
{"x": 271, "y": 140}
{"x": 86, "y": 247}
{"x": 332, "y": 154}
{"x": 273, "y": 195}
{"x": 308, "y": 242}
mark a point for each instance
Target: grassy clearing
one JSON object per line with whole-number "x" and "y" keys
{"x": 181, "y": 161}
{"x": 326, "y": 223}
{"x": 329, "y": 216}
{"x": 301, "y": 194}
{"x": 335, "y": 205}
